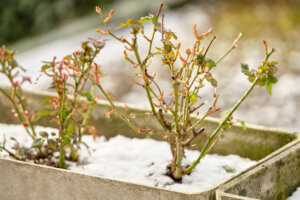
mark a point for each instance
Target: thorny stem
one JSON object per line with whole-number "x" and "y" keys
{"x": 197, "y": 123}
{"x": 179, "y": 151}
{"x": 207, "y": 145}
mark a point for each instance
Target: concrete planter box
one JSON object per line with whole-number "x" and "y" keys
{"x": 20, "y": 180}
{"x": 277, "y": 177}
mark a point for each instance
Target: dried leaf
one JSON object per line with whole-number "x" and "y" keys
{"x": 92, "y": 130}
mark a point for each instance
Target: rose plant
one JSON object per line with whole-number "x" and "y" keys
{"x": 189, "y": 73}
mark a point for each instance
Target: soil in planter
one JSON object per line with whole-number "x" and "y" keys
{"x": 295, "y": 195}
{"x": 141, "y": 161}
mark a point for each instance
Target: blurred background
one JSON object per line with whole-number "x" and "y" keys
{"x": 41, "y": 29}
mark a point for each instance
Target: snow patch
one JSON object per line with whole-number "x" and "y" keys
{"x": 141, "y": 161}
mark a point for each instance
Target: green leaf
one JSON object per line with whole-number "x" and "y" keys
{"x": 44, "y": 134}
{"x": 70, "y": 128}
{"x": 214, "y": 82}
{"x": 52, "y": 144}
{"x": 200, "y": 57}
{"x": 68, "y": 57}
{"x": 38, "y": 143}
{"x": 44, "y": 112}
{"x": 262, "y": 81}
{"x": 14, "y": 139}
{"x": 155, "y": 21}
{"x": 21, "y": 152}
{"x": 244, "y": 126}
{"x": 145, "y": 19}
{"x": 272, "y": 79}
{"x": 169, "y": 35}
{"x": 226, "y": 125}
{"x": 148, "y": 136}
{"x": 88, "y": 96}
{"x": 245, "y": 69}
{"x": 67, "y": 139}
{"x": 65, "y": 113}
{"x": 193, "y": 99}
{"x": 210, "y": 63}
{"x": 128, "y": 23}
{"x": 224, "y": 113}
{"x": 229, "y": 169}
{"x": 47, "y": 101}
{"x": 167, "y": 46}
{"x": 247, "y": 72}
{"x": 45, "y": 67}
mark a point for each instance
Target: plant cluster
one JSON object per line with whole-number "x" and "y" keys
{"x": 180, "y": 114}
{"x": 69, "y": 77}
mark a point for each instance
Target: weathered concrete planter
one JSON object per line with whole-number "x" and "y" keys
{"x": 277, "y": 177}
{"x": 21, "y": 180}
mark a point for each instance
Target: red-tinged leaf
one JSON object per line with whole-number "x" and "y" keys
{"x": 197, "y": 36}
{"x": 107, "y": 114}
{"x": 110, "y": 14}
{"x": 101, "y": 32}
{"x": 98, "y": 10}
{"x": 131, "y": 116}
{"x": 92, "y": 130}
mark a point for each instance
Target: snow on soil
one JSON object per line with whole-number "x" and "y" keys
{"x": 295, "y": 195}
{"x": 141, "y": 161}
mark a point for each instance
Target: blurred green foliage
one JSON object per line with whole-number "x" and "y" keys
{"x": 21, "y": 18}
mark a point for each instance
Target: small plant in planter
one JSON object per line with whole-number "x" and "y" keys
{"x": 11, "y": 69}
{"x": 69, "y": 77}
{"x": 189, "y": 73}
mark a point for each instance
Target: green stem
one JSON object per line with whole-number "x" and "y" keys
{"x": 61, "y": 162}
{"x": 27, "y": 118}
{"x": 232, "y": 47}
{"x": 216, "y": 131}
{"x": 23, "y": 109}
{"x": 10, "y": 153}
{"x": 197, "y": 123}
{"x": 147, "y": 89}
{"x": 19, "y": 115}
{"x": 178, "y": 170}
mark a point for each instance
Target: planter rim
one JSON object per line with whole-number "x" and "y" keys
{"x": 145, "y": 108}
{"x": 108, "y": 179}
{"x": 222, "y": 185}
{"x": 244, "y": 174}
